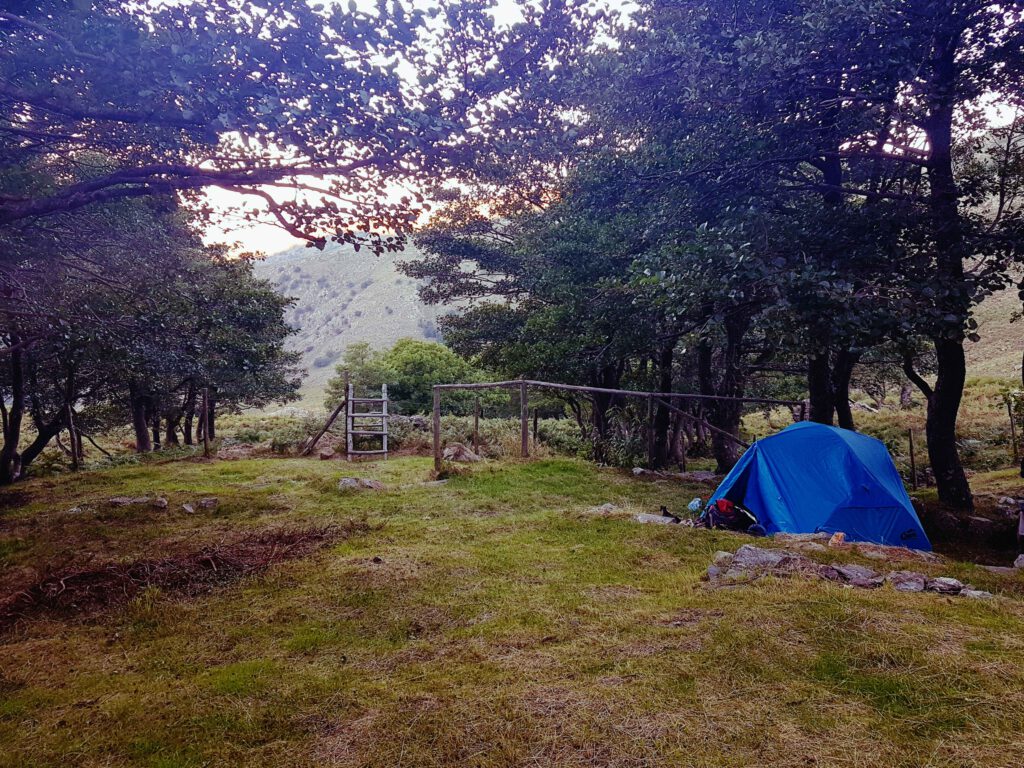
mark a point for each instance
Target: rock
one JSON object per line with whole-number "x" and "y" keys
{"x": 127, "y": 501}
{"x": 160, "y": 502}
{"x": 74, "y": 511}
{"x": 326, "y": 454}
{"x": 859, "y": 575}
{"x": 838, "y": 539}
{"x": 810, "y": 546}
{"x": 1002, "y": 570}
{"x": 637, "y": 471}
{"x": 189, "y": 509}
{"x": 801, "y": 537}
{"x": 906, "y": 581}
{"x": 749, "y": 557}
{"x": 459, "y": 452}
{"x": 1019, "y": 562}
{"x": 714, "y": 573}
{"x": 977, "y": 594}
{"x": 662, "y": 519}
{"x": 378, "y": 559}
{"x": 208, "y": 503}
{"x": 723, "y": 559}
{"x": 359, "y": 483}
{"x": 944, "y": 585}
{"x": 604, "y": 510}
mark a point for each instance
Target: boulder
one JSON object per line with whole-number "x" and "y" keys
{"x": 907, "y": 581}
{"x": 723, "y": 559}
{"x": 208, "y": 503}
{"x": 159, "y": 502}
{"x": 327, "y": 454}
{"x": 748, "y": 558}
{"x": 1002, "y": 570}
{"x": 1019, "y": 562}
{"x": 459, "y": 452}
{"x": 944, "y": 585}
{"x": 980, "y": 527}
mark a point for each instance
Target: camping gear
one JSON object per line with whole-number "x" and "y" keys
{"x": 724, "y": 513}
{"x": 813, "y": 478}
{"x": 696, "y": 505}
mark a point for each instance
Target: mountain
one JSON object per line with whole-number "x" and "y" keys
{"x": 998, "y": 353}
{"x": 343, "y": 297}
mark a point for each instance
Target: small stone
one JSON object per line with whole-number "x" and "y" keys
{"x": 359, "y": 483}
{"x": 723, "y": 559}
{"x": 459, "y": 452}
{"x": 189, "y": 509}
{"x": 378, "y": 559}
{"x": 906, "y": 581}
{"x": 714, "y": 573}
{"x": 637, "y": 471}
{"x": 160, "y": 502}
{"x": 944, "y": 585}
{"x": 661, "y": 519}
{"x": 976, "y": 594}
{"x": 208, "y": 503}
{"x": 1019, "y": 562}
{"x": 327, "y": 454}
{"x": 604, "y": 510}
{"x": 74, "y": 511}
{"x": 372, "y": 485}
{"x": 838, "y": 539}
{"x": 348, "y": 484}
{"x": 126, "y": 501}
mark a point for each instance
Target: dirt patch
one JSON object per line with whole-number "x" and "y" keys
{"x": 85, "y": 591}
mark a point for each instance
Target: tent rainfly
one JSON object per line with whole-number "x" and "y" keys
{"x": 812, "y": 478}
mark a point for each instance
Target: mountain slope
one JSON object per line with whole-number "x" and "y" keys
{"x": 344, "y": 297}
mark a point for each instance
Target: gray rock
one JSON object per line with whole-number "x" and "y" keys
{"x": 603, "y": 510}
{"x": 160, "y": 502}
{"x": 1001, "y": 570}
{"x": 976, "y": 594}
{"x": 660, "y": 519}
{"x": 189, "y": 509}
{"x": 802, "y": 537}
{"x": 749, "y": 557}
{"x": 459, "y": 452}
{"x": 907, "y": 581}
{"x": 945, "y": 585}
{"x": 714, "y": 573}
{"x": 859, "y": 575}
{"x": 359, "y": 483}
{"x": 810, "y": 546}
{"x": 208, "y": 503}
{"x": 127, "y": 501}
{"x": 723, "y": 559}
{"x": 637, "y": 471}
{"x": 1019, "y": 562}
{"x": 327, "y": 454}
{"x": 74, "y": 511}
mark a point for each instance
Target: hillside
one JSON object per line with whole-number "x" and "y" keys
{"x": 344, "y": 297}
{"x": 999, "y": 352}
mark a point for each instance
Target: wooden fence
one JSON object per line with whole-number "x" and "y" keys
{"x": 662, "y": 398}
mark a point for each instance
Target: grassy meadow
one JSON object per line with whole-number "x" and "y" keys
{"x": 490, "y": 621}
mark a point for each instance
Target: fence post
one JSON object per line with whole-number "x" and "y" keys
{"x": 1013, "y": 429}
{"x": 524, "y": 420}
{"x": 206, "y": 422}
{"x": 535, "y": 428}
{"x": 437, "y": 429}
{"x": 650, "y": 432}
{"x": 476, "y": 426}
{"x": 913, "y": 461}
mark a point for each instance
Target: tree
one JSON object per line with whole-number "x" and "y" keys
{"x": 260, "y": 98}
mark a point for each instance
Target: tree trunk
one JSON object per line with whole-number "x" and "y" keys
{"x": 10, "y": 459}
{"x": 211, "y": 413}
{"x": 842, "y": 372}
{"x": 138, "y": 401}
{"x": 662, "y": 416}
{"x": 819, "y": 389}
{"x": 940, "y": 426}
{"x": 724, "y": 414}
{"x": 944, "y": 401}
{"x": 189, "y": 411}
{"x": 46, "y": 433}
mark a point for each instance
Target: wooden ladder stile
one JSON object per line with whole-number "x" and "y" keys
{"x": 357, "y": 425}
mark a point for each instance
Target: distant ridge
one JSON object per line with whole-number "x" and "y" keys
{"x": 344, "y": 297}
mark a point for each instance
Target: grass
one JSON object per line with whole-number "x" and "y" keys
{"x": 488, "y": 622}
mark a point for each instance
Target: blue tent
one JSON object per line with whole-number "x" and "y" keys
{"x": 810, "y": 478}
